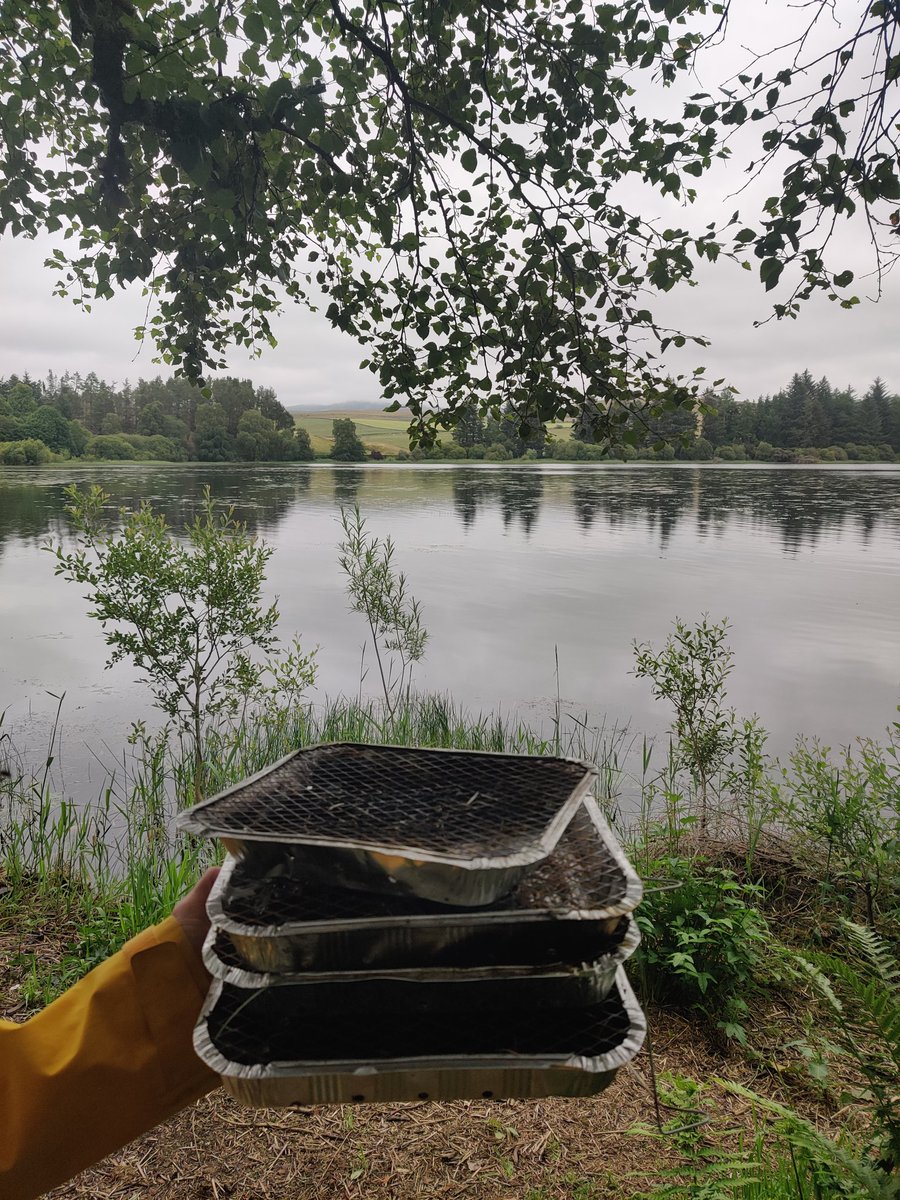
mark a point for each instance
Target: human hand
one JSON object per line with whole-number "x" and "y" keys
{"x": 190, "y": 911}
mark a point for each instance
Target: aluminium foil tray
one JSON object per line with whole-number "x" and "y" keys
{"x": 572, "y": 908}
{"x": 266, "y": 1056}
{"x": 429, "y": 990}
{"x": 456, "y": 827}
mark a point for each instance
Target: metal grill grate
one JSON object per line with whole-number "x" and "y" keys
{"x": 571, "y": 908}
{"x": 583, "y": 874}
{"x": 438, "y": 803}
{"x": 277, "y": 1025}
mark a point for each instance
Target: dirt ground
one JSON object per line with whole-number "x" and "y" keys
{"x": 544, "y": 1149}
{"x": 581, "y": 1149}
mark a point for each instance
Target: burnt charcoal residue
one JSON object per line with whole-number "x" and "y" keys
{"x": 580, "y": 875}
{"x": 441, "y": 802}
{"x": 277, "y": 896}
{"x": 272, "y": 1025}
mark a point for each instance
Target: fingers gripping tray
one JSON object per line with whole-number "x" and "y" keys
{"x": 453, "y": 827}
{"x": 269, "y": 1052}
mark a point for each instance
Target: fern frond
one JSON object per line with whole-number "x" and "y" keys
{"x": 875, "y": 952}
{"x": 819, "y": 980}
{"x": 821, "y": 1150}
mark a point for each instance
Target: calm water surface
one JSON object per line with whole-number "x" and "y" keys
{"x": 509, "y": 564}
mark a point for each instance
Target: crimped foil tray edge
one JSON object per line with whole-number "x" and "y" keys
{"x": 631, "y": 898}
{"x": 536, "y": 849}
{"x": 232, "y": 1072}
{"x": 248, "y": 978}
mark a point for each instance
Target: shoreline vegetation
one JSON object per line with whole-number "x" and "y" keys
{"x": 785, "y": 874}
{"x": 772, "y": 888}
{"x": 85, "y": 419}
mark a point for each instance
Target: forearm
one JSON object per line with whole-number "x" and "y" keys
{"x": 105, "y": 1062}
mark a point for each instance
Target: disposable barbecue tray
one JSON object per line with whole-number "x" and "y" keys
{"x": 571, "y": 908}
{"x": 445, "y": 989}
{"x": 456, "y": 827}
{"x": 267, "y": 1055}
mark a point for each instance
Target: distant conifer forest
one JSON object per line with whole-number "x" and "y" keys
{"x": 169, "y": 420}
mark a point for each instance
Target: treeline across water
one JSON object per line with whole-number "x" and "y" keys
{"x": 808, "y": 421}
{"x": 74, "y": 416}
{"x": 809, "y": 418}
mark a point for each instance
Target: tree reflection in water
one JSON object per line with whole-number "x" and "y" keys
{"x": 797, "y": 506}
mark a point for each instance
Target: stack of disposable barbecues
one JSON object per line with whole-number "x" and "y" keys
{"x": 397, "y": 924}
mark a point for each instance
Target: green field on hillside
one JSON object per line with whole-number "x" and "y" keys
{"x": 382, "y": 431}
{"x": 378, "y": 431}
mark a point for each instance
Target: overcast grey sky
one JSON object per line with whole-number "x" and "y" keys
{"x": 316, "y": 366}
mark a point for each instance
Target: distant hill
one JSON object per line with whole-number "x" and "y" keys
{"x": 379, "y": 430}
{"x": 340, "y": 409}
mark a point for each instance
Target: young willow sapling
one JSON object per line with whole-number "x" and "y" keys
{"x": 186, "y": 611}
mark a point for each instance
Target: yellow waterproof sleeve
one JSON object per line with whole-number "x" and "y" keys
{"x": 108, "y": 1060}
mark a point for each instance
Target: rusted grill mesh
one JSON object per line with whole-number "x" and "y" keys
{"x": 276, "y": 1024}
{"x": 465, "y": 804}
{"x": 581, "y": 874}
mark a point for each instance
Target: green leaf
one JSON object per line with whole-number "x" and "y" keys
{"x": 468, "y": 160}
{"x": 770, "y": 270}
{"x": 254, "y": 28}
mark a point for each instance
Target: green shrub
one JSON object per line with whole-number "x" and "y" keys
{"x": 110, "y": 446}
{"x": 690, "y": 672}
{"x": 733, "y": 453}
{"x": 12, "y": 454}
{"x": 28, "y": 452}
{"x": 156, "y": 447}
{"x": 186, "y": 611}
{"x": 702, "y": 940}
{"x": 844, "y": 809}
